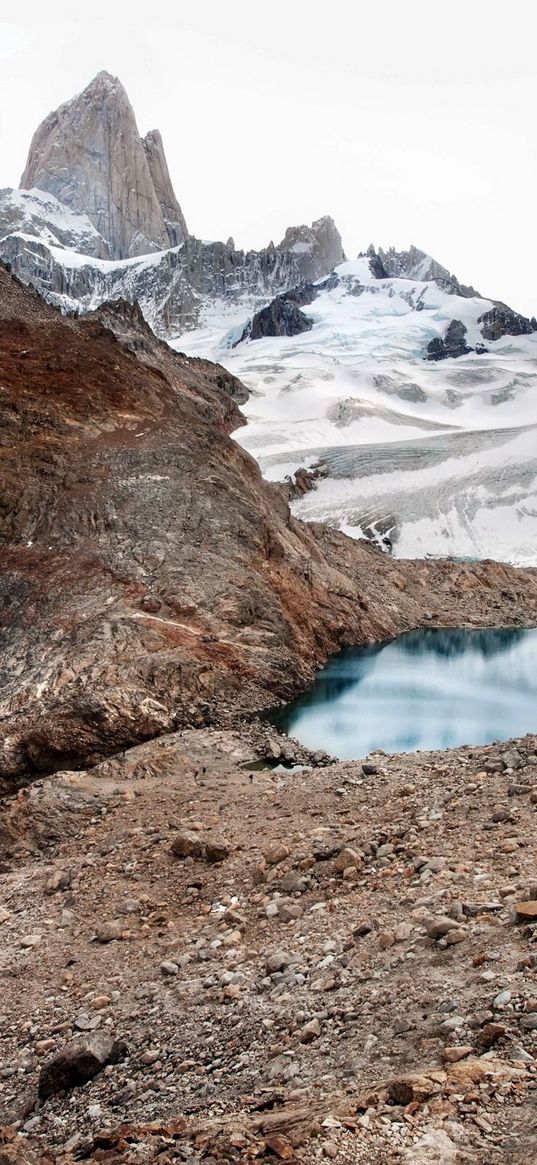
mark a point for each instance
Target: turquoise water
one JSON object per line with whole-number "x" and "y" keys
{"x": 425, "y": 690}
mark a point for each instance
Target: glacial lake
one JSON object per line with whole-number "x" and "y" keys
{"x": 425, "y": 690}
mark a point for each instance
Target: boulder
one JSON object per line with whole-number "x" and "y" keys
{"x": 453, "y": 344}
{"x": 79, "y": 1062}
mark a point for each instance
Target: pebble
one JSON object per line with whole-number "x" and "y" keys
{"x": 501, "y": 999}
{"x": 169, "y": 968}
{"x": 277, "y": 961}
{"x": 439, "y": 926}
{"x": 460, "y": 1052}
{"x": 216, "y": 850}
{"x": 109, "y": 932}
{"x": 100, "y": 1002}
{"x": 150, "y": 1056}
{"x": 310, "y": 1031}
{"x": 276, "y": 853}
{"x": 187, "y": 845}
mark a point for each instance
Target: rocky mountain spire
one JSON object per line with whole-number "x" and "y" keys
{"x": 89, "y": 154}
{"x": 162, "y": 183}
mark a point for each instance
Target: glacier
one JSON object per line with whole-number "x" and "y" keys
{"x": 438, "y": 457}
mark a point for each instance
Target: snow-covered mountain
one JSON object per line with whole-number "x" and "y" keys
{"x": 401, "y": 404}
{"x": 97, "y": 218}
{"x": 436, "y": 452}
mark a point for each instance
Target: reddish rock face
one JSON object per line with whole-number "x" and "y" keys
{"x": 150, "y": 578}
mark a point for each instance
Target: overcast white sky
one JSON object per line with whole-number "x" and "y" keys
{"x": 406, "y": 121}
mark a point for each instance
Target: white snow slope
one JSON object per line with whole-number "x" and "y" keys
{"x": 440, "y": 456}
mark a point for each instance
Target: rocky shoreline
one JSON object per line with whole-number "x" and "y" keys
{"x": 332, "y": 963}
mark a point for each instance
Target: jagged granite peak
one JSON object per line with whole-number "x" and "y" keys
{"x": 172, "y": 286}
{"x": 316, "y": 249}
{"x": 89, "y": 154}
{"x": 416, "y": 264}
{"x": 158, "y": 168}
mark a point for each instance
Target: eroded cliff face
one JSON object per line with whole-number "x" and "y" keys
{"x": 151, "y": 578}
{"x": 89, "y": 154}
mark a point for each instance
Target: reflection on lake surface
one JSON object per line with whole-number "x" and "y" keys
{"x": 427, "y": 690}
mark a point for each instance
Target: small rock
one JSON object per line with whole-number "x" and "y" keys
{"x": 276, "y": 853}
{"x": 310, "y": 1031}
{"x": 529, "y": 1022}
{"x": 216, "y": 850}
{"x": 455, "y": 936}
{"x": 330, "y": 1149}
{"x": 60, "y": 880}
{"x": 526, "y": 911}
{"x": 440, "y": 926}
{"x": 86, "y": 1023}
{"x": 453, "y": 1055}
{"x": 187, "y": 845}
{"x": 77, "y": 1063}
{"x": 130, "y": 906}
{"x": 109, "y": 932}
{"x": 289, "y": 911}
{"x": 490, "y": 1034}
{"x": 100, "y": 1002}
{"x": 501, "y": 999}
{"x": 44, "y": 1046}
{"x": 348, "y": 858}
{"x": 169, "y": 968}
{"x": 232, "y": 991}
{"x": 150, "y": 1056}
{"x": 277, "y": 961}
{"x": 403, "y": 932}
{"x": 511, "y": 759}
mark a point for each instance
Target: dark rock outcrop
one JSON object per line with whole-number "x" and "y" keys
{"x": 453, "y": 343}
{"x": 79, "y": 1062}
{"x": 376, "y": 266}
{"x": 283, "y": 316}
{"x": 503, "y": 321}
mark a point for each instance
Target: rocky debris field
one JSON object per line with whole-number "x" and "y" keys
{"x": 207, "y": 960}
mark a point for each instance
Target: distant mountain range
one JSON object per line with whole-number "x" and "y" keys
{"x": 406, "y": 401}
